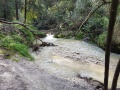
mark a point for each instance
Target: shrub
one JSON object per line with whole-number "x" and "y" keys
{"x": 101, "y": 39}
{"x": 6, "y": 41}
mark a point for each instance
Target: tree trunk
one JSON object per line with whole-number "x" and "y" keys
{"x": 113, "y": 12}
{"x": 16, "y": 5}
{"x": 4, "y": 9}
{"x": 25, "y": 13}
{"x": 116, "y": 75}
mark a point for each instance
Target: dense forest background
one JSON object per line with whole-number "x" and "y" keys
{"x": 22, "y": 21}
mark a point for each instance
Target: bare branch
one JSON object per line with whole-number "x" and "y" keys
{"x": 8, "y": 22}
{"x": 19, "y": 23}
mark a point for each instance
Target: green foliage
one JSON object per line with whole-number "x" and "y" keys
{"x": 59, "y": 36}
{"x": 40, "y": 34}
{"x": 17, "y": 38}
{"x": 27, "y": 35}
{"x": 1, "y": 36}
{"x": 47, "y": 14}
{"x": 12, "y": 43}
{"x": 6, "y": 41}
{"x": 33, "y": 28}
{"x": 96, "y": 22}
{"x": 53, "y": 14}
{"x": 101, "y": 40}
{"x": 26, "y": 32}
{"x": 9, "y": 6}
{"x": 95, "y": 26}
{"x": 22, "y": 49}
{"x": 82, "y": 6}
{"x": 79, "y": 36}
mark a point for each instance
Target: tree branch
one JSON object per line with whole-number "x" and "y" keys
{"x": 89, "y": 15}
{"x": 2, "y": 20}
{"x": 8, "y": 22}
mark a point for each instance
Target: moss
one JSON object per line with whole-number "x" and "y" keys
{"x": 18, "y": 39}
{"x": 11, "y": 44}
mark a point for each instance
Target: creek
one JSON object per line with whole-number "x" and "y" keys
{"x": 72, "y": 57}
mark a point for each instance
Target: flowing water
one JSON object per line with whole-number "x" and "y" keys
{"x": 67, "y": 68}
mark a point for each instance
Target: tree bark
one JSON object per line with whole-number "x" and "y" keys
{"x": 116, "y": 75}
{"x": 25, "y": 12}
{"x": 4, "y": 9}
{"x": 16, "y": 5}
{"x": 113, "y": 12}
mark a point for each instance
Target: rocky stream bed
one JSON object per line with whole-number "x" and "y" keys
{"x": 55, "y": 68}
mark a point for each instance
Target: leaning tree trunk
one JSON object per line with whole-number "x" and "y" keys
{"x": 113, "y": 12}
{"x": 89, "y": 16}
